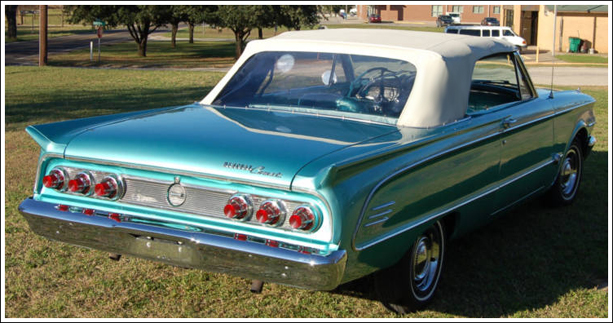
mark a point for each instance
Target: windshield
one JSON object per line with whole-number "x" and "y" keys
{"x": 374, "y": 88}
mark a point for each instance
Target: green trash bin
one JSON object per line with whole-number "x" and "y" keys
{"x": 575, "y": 43}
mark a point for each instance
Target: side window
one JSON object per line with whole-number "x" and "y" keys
{"x": 508, "y": 33}
{"x": 452, "y": 31}
{"x": 470, "y": 32}
{"x": 496, "y": 80}
{"x": 486, "y": 33}
{"x": 524, "y": 82}
{"x": 495, "y": 33}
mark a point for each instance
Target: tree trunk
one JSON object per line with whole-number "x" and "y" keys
{"x": 11, "y": 18}
{"x": 191, "y": 33}
{"x": 142, "y": 47}
{"x": 173, "y": 40}
{"x": 260, "y": 34}
{"x": 239, "y": 44}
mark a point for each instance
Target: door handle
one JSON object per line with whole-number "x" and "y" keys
{"x": 508, "y": 123}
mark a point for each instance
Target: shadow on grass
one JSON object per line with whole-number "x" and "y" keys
{"x": 526, "y": 259}
{"x": 70, "y": 104}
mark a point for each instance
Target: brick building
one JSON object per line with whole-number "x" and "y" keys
{"x": 532, "y": 22}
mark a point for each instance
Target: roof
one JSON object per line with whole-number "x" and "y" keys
{"x": 443, "y": 62}
{"x": 577, "y": 8}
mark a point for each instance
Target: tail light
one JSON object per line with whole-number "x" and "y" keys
{"x": 303, "y": 218}
{"x": 238, "y": 207}
{"x": 81, "y": 183}
{"x": 271, "y": 212}
{"x": 55, "y": 179}
{"x": 108, "y": 187}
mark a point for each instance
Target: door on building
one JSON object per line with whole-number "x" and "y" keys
{"x": 529, "y": 26}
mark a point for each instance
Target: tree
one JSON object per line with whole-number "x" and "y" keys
{"x": 176, "y": 15}
{"x": 241, "y": 20}
{"x": 296, "y": 17}
{"x": 266, "y": 17}
{"x": 11, "y": 19}
{"x": 141, "y": 21}
{"x": 198, "y": 15}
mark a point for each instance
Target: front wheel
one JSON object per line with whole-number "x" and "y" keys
{"x": 410, "y": 284}
{"x": 564, "y": 190}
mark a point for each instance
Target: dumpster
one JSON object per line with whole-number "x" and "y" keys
{"x": 574, "y": 44}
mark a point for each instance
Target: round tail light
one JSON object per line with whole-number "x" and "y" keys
{"x": 271, "y": 212}
{"x": 55, "y": 179}
{"x": 80, "y": 184}
{"x": 108, "y": 187}
{"x": 238, "y": 207}
{"x": 303, "y": 218}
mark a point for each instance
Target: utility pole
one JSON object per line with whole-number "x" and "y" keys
{"x": 42, "y": 37}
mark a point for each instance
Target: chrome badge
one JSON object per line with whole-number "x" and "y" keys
{"x": 176, "y": 195}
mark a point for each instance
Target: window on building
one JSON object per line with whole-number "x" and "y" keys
{"x": 477, "y": 9}
{"x": 437, "y": 11}
{"x": 497, "y": 10}
{"x": 459, "y": 9}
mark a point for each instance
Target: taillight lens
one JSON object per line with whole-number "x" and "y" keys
{"x": 238, "y": 207}
{"x": 55, "y": 179}
{"x": 80, "y": 184}
{"x": 108, "y": 187}
{"x": 271, "y": 212}
{"x": 303, "y": 218}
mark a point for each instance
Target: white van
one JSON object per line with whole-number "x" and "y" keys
{"x": 500, "y": 32}
{"x": 456, "y": 16}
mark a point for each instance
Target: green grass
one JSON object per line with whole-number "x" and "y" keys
{"x": 532, "y": 262}
{"x": 159, "y": 54}
{"x": 583, "y": 58}
{"x": 29, "y": 29}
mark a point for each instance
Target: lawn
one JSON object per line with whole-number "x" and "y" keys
{"x": 57, "y": 26}
{"x": 583, "y": 58}
{"x": 532, "y": 262}
{"x": 159, "y": 54}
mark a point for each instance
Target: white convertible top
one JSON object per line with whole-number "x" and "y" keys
{"x": 444, "y": 64}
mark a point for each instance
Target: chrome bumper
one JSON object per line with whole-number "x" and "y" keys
{"x": 186, "y": 248}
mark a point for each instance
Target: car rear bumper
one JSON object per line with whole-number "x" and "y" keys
{"x": 186, "y": 248}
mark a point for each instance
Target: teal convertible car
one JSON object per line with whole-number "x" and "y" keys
{"x": 321, "y": 157}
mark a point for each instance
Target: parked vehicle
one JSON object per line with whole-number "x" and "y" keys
{"x": 321, "y": 157}
{"x": 456, "y": 16}
{"x": 374, "y": 18}
{"x": 490, "y": 21}
{"x": 504, "y": 33}
{"x": 444, "y": 20}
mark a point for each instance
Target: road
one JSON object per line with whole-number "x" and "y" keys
{"x": 26, "y": 52}
{"x": 570, "y": 76}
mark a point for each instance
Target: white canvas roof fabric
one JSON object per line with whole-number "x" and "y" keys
{"x": 444, "y": 64}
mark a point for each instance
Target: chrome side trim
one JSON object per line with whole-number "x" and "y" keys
{"x": 452, "y": 208}
{"x": 376, "y": 222}
{"x": 382, "y": 206}
{"x": 187, "y": 248}
{"x": 380, "y": 214}
{"x": 591, "y": 124}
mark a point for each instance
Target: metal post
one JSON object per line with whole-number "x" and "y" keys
{"x": 98, "y": 50}
{"x": 42, "y": 37}
{"x": 91, "y": 50}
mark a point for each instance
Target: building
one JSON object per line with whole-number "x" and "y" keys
{"x": 532, "y": 22}
{"x": 421, "y": 13}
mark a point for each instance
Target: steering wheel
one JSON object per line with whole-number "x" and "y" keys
{"x": 363, "y": 84}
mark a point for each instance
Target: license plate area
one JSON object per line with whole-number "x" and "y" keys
{"x": 169, "y": 251}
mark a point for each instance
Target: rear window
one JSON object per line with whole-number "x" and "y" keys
{"x": 368, "y": 87}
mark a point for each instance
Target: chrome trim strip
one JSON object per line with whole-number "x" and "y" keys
{"x": 518, "y": 201}
{"x": 376, "y": 222}
{"x": 591, "y": 124}
{"x": 434, "y": 216}
{"x": 380, "y": 214}
{"x": 187, "y": 248}
{"x": 178, "y": 172}
{"x": 382, "y": 206}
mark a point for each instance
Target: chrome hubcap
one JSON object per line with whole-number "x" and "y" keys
{"x": 569, "y": 173}
{"x": 426, "y": 261}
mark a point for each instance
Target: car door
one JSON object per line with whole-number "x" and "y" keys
{"x": 527, "y": 163}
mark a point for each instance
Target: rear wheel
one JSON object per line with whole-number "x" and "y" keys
{"x": 410, "y": 284}
{"x": 565, "y": 188}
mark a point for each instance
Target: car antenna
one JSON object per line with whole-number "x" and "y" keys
{"x": 553, "y": 49}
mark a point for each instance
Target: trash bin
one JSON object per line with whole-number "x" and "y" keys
{"x": 575, "y": 43}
